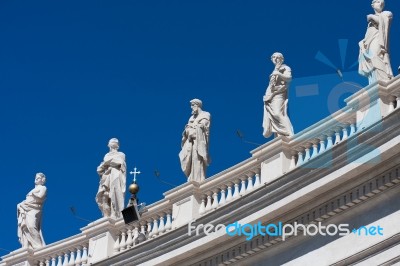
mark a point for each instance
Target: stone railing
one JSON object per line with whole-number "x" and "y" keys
{"x": 72, "y": 256}
{"x": 72, "y": 251}
{"x": 229, "y": 185}
{"x": 274, "y": 159}
{"x": 105, "y": 238}
{"x": 393, "y": 95}
{"x": 322, "y": 136}
{"x": 155, "y": 221}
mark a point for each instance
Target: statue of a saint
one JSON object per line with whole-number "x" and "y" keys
{"x": 275, "y": 99}
{"x": 374, "y": 61}
{"x": 112, "y": 171}
{"x": 29, "y": 215}
{"x": 194, "y": 155}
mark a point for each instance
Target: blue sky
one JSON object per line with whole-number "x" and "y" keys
{"x": 74, "y": 74}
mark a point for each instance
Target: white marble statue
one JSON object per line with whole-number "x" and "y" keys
{"x": 374, "y": 61}
{"x": 275, "y": 99}
{"x": 112, "y": 171}
{"x": 29, "y": 215}
{"x": 194, "y": 155}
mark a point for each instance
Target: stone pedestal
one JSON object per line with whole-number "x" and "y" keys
{"x": 19, "y": 257}
{"x": 185, "y": 201}
{"x": 102, "y": 236}
{"x": 276, "y": 161}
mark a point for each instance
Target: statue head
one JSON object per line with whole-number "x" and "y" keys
{"x": 277, "y": 58}
{"x": 40, "y": 179}
{"x": 378, "y": 5}
{"x": 196, "y": 104}
{"x": 113, "y": 143}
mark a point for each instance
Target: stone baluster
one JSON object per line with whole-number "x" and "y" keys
{"x": 293, "y": 160}
{"x": 322, "y": 147}
{"x": 215, "y": 198}
{"x": 143, "y": 228}
{"x": 168, "y": 223}
{"x": 250, "y": 181}
{"x": 47, "y": 262}
{"x": 236, "y": 192}
{"x": 65, "y": 263}
{"x": 257, "y": 180}
{"x": 300, "y": 153}
{"x": 352, "y": 128}
{"x": 53, "y": 261}
{"x": 135, "y": 234}
{"x": 329, "y": 142}
{"x": 161, "y": 227}
{"x": 129, "y": 239}
{"x": 122, "y": 244}
{"x": 116, "y": 246}
{"x": 307, "y": 155}
{"x": 208, "y": 205}
{"x": 229, "y": 196}
{"x": 202, "y": 209}
{"x": 59, "y": 260}
{"x": 78, "y": 259}
{"x": 41, "y": 263}
{"x": 71, "y": 258}
{"x": 155, "y": 226}
{"x": 398, "y": 101}
{"x": 337, "y": 135}
{"x": 345, "y": 135}
{"x": 314, "y": 148}
{"x": 149, "y": 231}
{"x": 84, "y": 255}
{"x": 243, "y": 191}
{"x": 222, "y": 200}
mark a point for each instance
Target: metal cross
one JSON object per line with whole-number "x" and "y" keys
{"x": 134, "y": 173}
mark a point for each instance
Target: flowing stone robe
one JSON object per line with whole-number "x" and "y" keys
{"x": 276, "y": 119}
{"x": 194, "y": 156}
{"x": 374, "y": 61}
{"x": 111, "y": 193}
{"x": 29, "y": 215}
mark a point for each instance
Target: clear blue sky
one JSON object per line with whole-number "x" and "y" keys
{"x": 74, "y": 74}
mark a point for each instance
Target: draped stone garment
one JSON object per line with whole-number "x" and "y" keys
{"x": 374, "y": 61}
{"x": 276, "y": 119}
{"x": 29, "y": 215}
{"x": 194, "y": 156}
{"x": 111, "y": 193}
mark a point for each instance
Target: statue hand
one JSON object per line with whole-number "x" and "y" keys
{"x": 276, "y": 72}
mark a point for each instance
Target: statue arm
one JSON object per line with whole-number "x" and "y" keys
{"x": 373, "y": 18}
{"x": 123, "y": 164}
{"x": 185, "y": 135}
{"x": 40, "y": 193}
{"x": 286, "y": 75}
{"x": 205, "y": 124}
{"x": 101, "y": 168}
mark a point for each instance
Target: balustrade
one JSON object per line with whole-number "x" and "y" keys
{"x": 232, "y": 190}
{"x": 72, "y": 257}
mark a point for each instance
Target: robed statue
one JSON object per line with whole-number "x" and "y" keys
{"x": 29, "y": 215}
{"x": 112, "y": 171}
{"x": 194, "y": 156}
